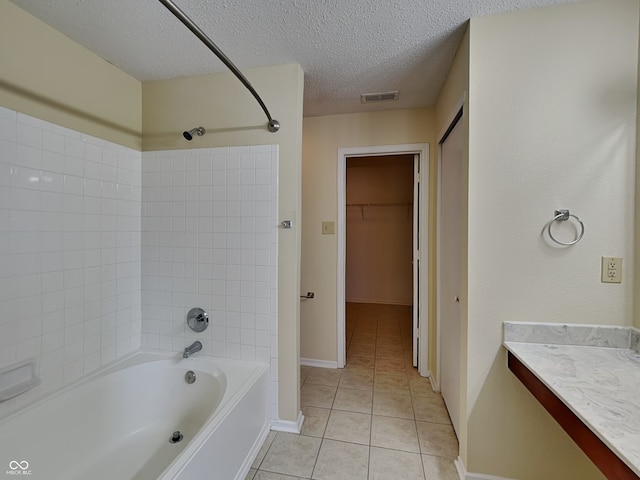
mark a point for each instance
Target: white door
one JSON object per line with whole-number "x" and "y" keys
{"x": 416, "y": 257}
{"x": 449, "y": 270}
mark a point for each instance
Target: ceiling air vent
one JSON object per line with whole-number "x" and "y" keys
{"x": 378, "y": 97}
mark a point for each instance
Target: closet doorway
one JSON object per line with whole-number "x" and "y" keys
{"x": 382, "y": 207}
{"x": 379, "y": 267}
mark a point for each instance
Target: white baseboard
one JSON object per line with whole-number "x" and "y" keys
{"x": 464, "y": 475}
{"x": 288, "y": 426}
{"x": 434, "y": 387}
{"x": 310, "y": 362}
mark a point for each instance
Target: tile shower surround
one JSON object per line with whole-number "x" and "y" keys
{"x": 70, "y": 236}
{"x": 71, "y": 218}
{"x": 209, "y": 239}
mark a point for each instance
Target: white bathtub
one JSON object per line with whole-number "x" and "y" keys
{"x": 117, "y": 423}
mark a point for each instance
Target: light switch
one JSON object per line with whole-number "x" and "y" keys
{"x": 328, "y": 228}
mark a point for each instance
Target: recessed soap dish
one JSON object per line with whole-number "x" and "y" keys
{"x": 18, "y": 378}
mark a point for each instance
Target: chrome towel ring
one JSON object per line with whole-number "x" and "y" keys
{"x": 561, "y": 216}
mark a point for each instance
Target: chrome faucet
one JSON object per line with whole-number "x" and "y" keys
{"x": 191, "y": 349}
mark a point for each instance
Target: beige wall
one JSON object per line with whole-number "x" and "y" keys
{"x": 231, "y": 116}
{"x": 46, "y": 75}
{"x": 453, "y": 96}
{"x": 322, "y": 137}
{"x": 379, "y": 221}
{"x": 552, "y": 108}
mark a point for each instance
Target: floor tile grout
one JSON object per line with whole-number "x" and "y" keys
{"x": 389, "y": 370}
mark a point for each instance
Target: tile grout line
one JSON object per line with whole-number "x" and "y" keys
{"x": 315, "y": 463}
{"x": 377, "y": 361}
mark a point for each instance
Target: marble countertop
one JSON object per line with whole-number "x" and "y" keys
{"x": 593, "y": 370}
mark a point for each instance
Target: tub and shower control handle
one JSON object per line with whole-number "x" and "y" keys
{"x": 197, "y": 319}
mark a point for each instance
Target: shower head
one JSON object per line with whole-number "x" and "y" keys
{"x": 200, "y": 131}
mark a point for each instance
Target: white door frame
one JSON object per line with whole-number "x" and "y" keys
{"x": 422, "y": 150}
{"x": 449, "y": 124}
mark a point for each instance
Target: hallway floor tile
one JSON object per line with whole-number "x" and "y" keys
{"x": 376, "y": 419}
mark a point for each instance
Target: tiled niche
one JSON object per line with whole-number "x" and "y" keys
{"x": 70, "y": 236}
{"x": 209, "y": 240}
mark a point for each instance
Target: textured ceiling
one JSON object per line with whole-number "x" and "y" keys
{"x": 345, "y": 47}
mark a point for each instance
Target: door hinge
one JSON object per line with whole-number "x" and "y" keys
{"x": 418, "y": 177}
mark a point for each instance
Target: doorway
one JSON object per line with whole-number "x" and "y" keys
{"x": 379, "y": 262}
{"x": 416, "y": 210}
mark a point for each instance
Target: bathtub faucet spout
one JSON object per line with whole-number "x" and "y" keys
{"x": 191, "y": 349}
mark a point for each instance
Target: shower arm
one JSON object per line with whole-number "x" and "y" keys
{"x": 273, "y": 125}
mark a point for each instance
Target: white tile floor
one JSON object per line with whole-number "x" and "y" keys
{"x": 376, "y": 419}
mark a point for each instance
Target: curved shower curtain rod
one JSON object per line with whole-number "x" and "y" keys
{"x": 273, "y": 125}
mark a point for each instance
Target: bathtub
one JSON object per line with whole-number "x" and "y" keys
{"x": 119, "y": 423}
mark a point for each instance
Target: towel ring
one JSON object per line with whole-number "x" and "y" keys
{"x": 561, "y": 216}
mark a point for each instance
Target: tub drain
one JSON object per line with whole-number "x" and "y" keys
{"x": 176, "y": 437}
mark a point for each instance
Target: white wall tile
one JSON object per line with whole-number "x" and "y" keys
{"x": 200, "y": 234}
{"x": 53, "y": 161}
{"x": 73, "y": 185}
{"x": 23, "y": 177}
{"x": 30, "y": 157}
{"x": 52, "y": 142}
{"x": 104, "y": 265}
{"x": 51, "y": 251}
{"x": 8, "y": 129}
{"x": 22, "y": 199}
{"x": 29, "y": 135}
{"x": 73, "y": 165}
{"x": 74, "y": 147}
{"x": 6, "y": 172}
{"x": 51, "y": 181}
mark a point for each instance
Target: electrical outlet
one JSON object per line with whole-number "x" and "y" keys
{"x": 611, "y": 270}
